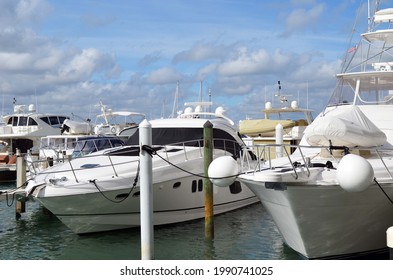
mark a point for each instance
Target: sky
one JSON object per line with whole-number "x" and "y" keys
{"x": 66, "y": 56}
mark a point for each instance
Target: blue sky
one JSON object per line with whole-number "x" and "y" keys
{"x": 65, "y": 56}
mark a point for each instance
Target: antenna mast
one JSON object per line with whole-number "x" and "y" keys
{"x": 174, "y": 109}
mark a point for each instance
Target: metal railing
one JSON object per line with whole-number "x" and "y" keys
{"x": 190, "y": 150}
{"x": 266, "y": 153}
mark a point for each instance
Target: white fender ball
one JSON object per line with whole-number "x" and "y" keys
{"x": 354, "y": 173}
{"x": 222, "y": 171}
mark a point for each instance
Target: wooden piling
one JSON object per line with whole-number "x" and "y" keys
{"x": 20, "y": 206}
{"x": 207, "y": 184}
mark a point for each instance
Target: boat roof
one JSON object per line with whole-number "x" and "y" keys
{"x": 379, "y": 35}
{"x": 382, "y": 79}
{"x": 120, "y": 113}
{"x": 187, "y": 122}
{"x": 286, "y": 110}
{"x": 383, "y": 15}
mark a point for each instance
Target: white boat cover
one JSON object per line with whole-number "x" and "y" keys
{"x": 74, "y": 127}
{"x": 350, "y": 128}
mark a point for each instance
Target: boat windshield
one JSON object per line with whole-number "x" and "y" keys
{"x": 189, "y": 137}
{"x": 90, "y": 145}
{"x": 372, "y": 90}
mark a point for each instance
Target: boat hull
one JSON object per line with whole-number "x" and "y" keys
{"x": 174, "y": 201}
{"x": 320, "y": 221}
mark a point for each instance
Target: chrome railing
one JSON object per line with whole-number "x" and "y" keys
{"x": 266, "y": 153}
{"x": 190, "y": 150}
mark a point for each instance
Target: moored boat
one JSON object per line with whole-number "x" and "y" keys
{"x": 284, "y": 123}
{"x": 22, "y": 130}
{"x": 332, "y": 197}
{"x": 100, "y": 192}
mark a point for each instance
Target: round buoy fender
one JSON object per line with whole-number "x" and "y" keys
{"x": 354, "y": 173}
{"x": 223, "y": 170}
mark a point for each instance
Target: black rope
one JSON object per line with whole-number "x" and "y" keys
{"x": 7, "y": 193}
{"x": 375, "y": 180}
{"x": 6, "y": 197}
{"x": 344, "y": 148}
{"x": 125, "y": 197}
{"x": 151, "y": 151}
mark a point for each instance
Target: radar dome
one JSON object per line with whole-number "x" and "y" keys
{"x": 294, "y": 104}
{"x": 188, "y": 110}
{"x": 268, "y": 105}
{"x": 220, "y": 111}
{"x": 31, "y": 108}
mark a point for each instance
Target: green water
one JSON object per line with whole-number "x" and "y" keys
{"x": 246, "y": 234}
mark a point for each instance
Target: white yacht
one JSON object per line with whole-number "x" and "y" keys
{"x": 284, "y": 123}
{"x": 23, "y": 130}
{"x": 111, "y": 122}
{"x": 100, "y": 191}
{"x": 332, "y": 198}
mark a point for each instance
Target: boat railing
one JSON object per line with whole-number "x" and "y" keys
{"x": 190, "y": 150}
{"x": 59, "y": 151}
{"x": 303, "y": 155}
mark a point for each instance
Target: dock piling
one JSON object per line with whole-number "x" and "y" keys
{"x": 208, "y": 185}
{"x": 146, "y": 192}
{"x": 20, "y": 206}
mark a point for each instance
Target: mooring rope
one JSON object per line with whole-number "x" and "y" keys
{"x": 127, "y": 195}
{"x": 151, "y": 151}
{"x": 375, "y": 180}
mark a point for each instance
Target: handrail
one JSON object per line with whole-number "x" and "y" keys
{"x": 264, "y": 154}
{"x": 218, "y": 144}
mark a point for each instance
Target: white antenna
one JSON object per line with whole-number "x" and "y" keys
{"x": 36, "y": 101}
{"x": 200, "y": 92}
{"x": 175, "y": 101}
{"x": 163, "y": 109}
{"x": 282, "y": 98}
{"x": 2, "y": 106}
{"x": 307, "y": 95}
{"x": 210, "y": 100}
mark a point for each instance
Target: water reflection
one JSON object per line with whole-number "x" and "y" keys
{"x": 246, "y": 234}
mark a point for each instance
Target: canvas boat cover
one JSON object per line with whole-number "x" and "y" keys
{"x": 263, "y": 127}
{"x": 350, "y": 128}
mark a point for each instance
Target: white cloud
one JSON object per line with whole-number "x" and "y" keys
{"x": 205, "y": 71}
{"x": 132, "y": 64}
{"x": 202, "y": 51}
{"x": 301, "y": 19}
{"x": 164, "y": 75}
{"x": 254, "y": 62}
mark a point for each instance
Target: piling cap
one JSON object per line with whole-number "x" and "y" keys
{"x": 208, "y": 124}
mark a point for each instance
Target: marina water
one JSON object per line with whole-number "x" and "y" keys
{"x": 245, "y": 234}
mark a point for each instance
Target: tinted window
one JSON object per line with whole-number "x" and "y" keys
{"x": 62, "y": 119}
{"x": 192, "y": 137}
{"x": 32, "y": 121}
{"x": 22, "y": 121}
{"x": 45, "y": 119}
{"x": 53, "y": 120}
